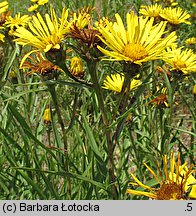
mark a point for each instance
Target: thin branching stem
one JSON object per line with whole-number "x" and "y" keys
{"x": 92, "y": 67}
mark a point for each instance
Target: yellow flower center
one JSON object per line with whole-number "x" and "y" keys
{"x": 170, "y": 191}
{"x": 179, "y": 64}
{"x": 135, "y": 51}
{"x": 16, "y": 21}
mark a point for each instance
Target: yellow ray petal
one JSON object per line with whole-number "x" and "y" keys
{"x": 142, "y": 193}
{"x": 153, "y": 173}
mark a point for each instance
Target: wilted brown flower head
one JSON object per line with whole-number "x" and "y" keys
{"x": 160, "y": 100}
{"x": 40, "y": 66}
{"x": 87, "y": 35}
{"x": 3, "y": 17}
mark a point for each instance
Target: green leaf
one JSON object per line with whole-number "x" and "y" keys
{"x": 91, "y": 138}
{"x": 66, "y": 174}
{"x": 9, "y": 98}
{"x": 8, "y": 65}
{"x": 33, "y": 184}
{"x": 95, "y": 147}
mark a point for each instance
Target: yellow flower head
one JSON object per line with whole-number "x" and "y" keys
{"x": 76, "y": 67}
{"x": 115, "y": 82}
{"x": 174, "y": 184}
{"x": 2, "y": 37}
{"x": 175, "y": 15}
{"x": 167, "y": 2}
{"x": 44, "y": 35}
{"x": 82, "y": 18}
{"x": 174, "y": 4}
{"x": 3, "y": 6}
{"x": 191, "y": 41}
{"x": 181, "y": 60}
{"x": 194, "y": 89}
{"x": 47, "y": 116}
{"x": 33, "y": 7}
{"x": 150, "y": 10}
{"x": 140, "y": 42}
{"x": 18, "y": 21}
{"x": 40, "y": 2}
{"x": 13, "y": 74}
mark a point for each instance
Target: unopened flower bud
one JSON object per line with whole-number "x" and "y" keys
{"x": 194, "y": 89}
{"x": 76, "y": 67}
{"x": 47, "y": 117}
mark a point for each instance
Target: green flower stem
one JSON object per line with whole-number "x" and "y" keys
{"x": 123, "y": 103}
{"x": 48, "y": 130}
{"x": 125, "y": 92}
{"x": 130, "y": 71}
{"x": 52, "y": 91}
{"x": 92, "y": 67}
{"x": 136, "y": 152}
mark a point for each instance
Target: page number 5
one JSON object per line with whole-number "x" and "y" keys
{"x": 189, "y": 207}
